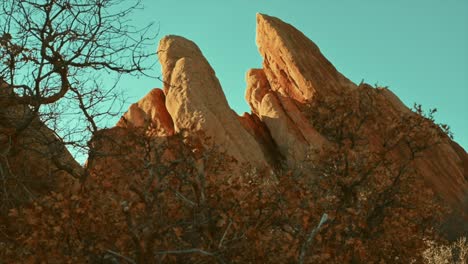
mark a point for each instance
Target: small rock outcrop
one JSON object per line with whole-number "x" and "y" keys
{"x": 149, "y": 112}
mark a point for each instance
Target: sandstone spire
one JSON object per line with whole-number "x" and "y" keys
{"x": 196, "y": 102}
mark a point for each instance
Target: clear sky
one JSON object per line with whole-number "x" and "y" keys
{"x": 419, "y": 48}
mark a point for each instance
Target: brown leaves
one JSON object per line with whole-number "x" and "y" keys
{"x": 13, "y": 213}
{"x": 377, "y": 208}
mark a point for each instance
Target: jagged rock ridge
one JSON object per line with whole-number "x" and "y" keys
{"x": 294, "y": 73}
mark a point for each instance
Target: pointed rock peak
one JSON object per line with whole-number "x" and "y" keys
{"x": 173, "y": 48}
{"x": 294, "y": 65}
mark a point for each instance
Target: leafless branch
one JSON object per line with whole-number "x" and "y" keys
{"x": 307, "y": 243}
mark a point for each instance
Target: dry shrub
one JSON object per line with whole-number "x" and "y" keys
{"x": 456, "y": 253}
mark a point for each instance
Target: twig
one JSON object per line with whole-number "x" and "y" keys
{"x": 191, "y": 203}
{"x": 190, "y": 251}
{"x": 121, "y": 256}
{"x": 310, "y": 237}
{"x": 224, "y": 235}
{"x": 185, "y": 251}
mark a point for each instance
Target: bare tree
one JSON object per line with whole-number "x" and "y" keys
{"x": 60, "y": 62}
{"x": 58, "y": 51}
{"x": 57, "y": 57}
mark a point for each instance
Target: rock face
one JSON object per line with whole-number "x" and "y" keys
{"x": 279, "y": 130}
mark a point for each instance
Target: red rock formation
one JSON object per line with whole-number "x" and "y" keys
{"x": 302, "y": 110}
{"x": 294, "y": 75}
{"x": 294, "y": 71}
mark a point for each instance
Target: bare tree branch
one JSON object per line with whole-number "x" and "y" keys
{"x": 307, "y": 243}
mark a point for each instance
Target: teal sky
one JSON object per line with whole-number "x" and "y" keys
{"x": 418, "y": 48}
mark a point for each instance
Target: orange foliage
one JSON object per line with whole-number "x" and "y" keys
{"x": 175, "y": 199}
